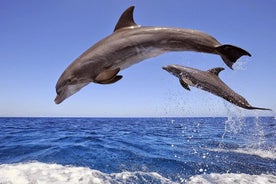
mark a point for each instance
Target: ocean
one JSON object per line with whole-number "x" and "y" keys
{"x": 138, "y": 150}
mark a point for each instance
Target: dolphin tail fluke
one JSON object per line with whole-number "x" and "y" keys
{"x": 259, "y": 108}
{"x": 230, "y": 54}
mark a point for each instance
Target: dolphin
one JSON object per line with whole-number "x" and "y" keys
{"x": 131, "y": 43}
{"x": 208, "y": 81}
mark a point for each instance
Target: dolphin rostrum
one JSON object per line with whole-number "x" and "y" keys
{"x": 208, "y": 81}
{"x": 131, "y": 43}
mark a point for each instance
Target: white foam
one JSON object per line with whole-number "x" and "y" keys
{"x": 230, "y": 178}
{"x": 271, "y": 154}
{"x": 42, "y": 173}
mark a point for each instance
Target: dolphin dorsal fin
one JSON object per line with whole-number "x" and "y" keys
{"x": 126, "y": 19}
{"x": 216, "y": 71}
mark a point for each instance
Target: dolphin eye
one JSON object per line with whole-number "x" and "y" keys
{"x": 69, "y": 81}
{"x": 58, "y": 92}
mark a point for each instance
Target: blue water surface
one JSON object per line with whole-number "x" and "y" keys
{"x": 176, "y": 148}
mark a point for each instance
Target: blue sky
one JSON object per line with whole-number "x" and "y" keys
{"x": 39, "y": 39}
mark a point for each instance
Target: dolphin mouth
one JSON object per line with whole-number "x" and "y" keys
{"x": 167, "y": 68}
{"x": 58, "y": 99}
{"x": 61, "y": 96}
{"x": 68, "y": 91}
{"x": 172, "y": 69}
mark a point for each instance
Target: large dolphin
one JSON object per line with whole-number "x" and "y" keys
{"x": 131, "y": 43}
{"x": 208, "y": 81}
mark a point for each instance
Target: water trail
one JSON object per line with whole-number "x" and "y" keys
{"x": 241, "y": 65}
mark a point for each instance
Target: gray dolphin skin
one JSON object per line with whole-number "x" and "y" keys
{"x": 131, "y": 43}
{"x": 208, "y": 81}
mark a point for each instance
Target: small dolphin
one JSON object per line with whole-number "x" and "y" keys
{"x": 208, "y": 81}
{"x": 131, "y": 43}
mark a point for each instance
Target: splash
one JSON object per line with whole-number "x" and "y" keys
{"x": 234, "y": 123}
{"x": 255, "y": 137}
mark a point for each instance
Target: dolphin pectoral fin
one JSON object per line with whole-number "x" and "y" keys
{"x": 216, "y": 71}
{"x": 106, "y": 76}
{"x": 230, "y": 54}
{"x": 184, "y": 84}
{"x": 111, "y": 81}
{"x": 126, "y": 19}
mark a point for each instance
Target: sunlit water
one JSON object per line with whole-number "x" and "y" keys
{"x": 137, "y": 150}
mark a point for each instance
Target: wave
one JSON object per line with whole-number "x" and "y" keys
{"x": 270, "y": 154}
{"x": 37, "y": 172}
{"x": 230, "y": 178}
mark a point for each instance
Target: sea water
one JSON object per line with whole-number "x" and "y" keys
{"x": 138, "y": 150}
